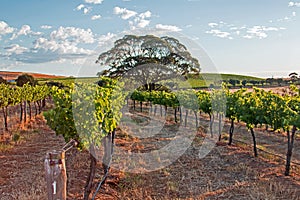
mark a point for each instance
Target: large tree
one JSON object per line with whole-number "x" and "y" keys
{"x": 148, "y": 59}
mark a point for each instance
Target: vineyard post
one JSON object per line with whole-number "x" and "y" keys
{"x": 56, "y": 176}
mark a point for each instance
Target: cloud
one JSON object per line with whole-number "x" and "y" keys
{"x": 15, "y": 49}
{"x": 212, "y": 25}
{"x": 46, "y": 27}
{"x": 143, "y": 23}
{"x": 77, "y": 35}
{"x": 137, "y": 20}
{"x": 69, "y": 43}
{"x": 48, "y": 50}
{"x": 294, "y": 4}
{"x": 219, "y": 33}
{"x": 260, "y": 32}
{"x": 94, "y": 1}
{"x": 95, "y": 17}
{"x": 5, "y": 28}
{"x": 104, "y": 39}
{"x": 124, "y": 13}
{"x": 224, "y": 30}
{"x": 25, "y": 30}
{"x": 80, "y": 7}
{"x": 60, "y": 47}
{"x": 169, "y": 28}
{"x": 146, "y": 14}
{"x": 84, "y": 9}
{"x": 141, "y": 20}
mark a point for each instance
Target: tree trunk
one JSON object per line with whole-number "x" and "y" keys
{"x": 254, "y": 142}
{"x": 161, "y": 110}
{"x": 5, "y": 113}
{"x": 220, "y": 126}
{"x": 166, "y": 110}
{"x": 196, "y": 118}
{"x": 211, "y": 121}
{"x": 89, "y": 182}
{"x": 231, "y": 132}
{"x": 291, "y": 139}
{"x": 43, "y": 103}
{"x": 180, "y": 114}
{"x": 29, "y": 105}
{"x": 175, "y": 115}
{"x": 186, "y": 116}
{"x": 155, "y": 107}
{"x": 25, "y": 111}
{"x": 133, "y": 104}
{"x": 108, "y": 148}
{"x": 141, "y": 106}
{"x": 21, "y": 112}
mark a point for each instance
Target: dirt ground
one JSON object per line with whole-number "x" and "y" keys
{"x": 225, "y": 173}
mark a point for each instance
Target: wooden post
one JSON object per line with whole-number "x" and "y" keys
{"x": 56, "y": 175}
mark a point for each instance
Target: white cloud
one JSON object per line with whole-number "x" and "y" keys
{"x": 80, "y": 7}
{"x": 95, "y": 17}
{"x": 140, "y": 21}
{"x": 94, "y": 1}
{"x": 46, "y": 27}
{"x": 15, "y": 49}
{"x": 143, "y": 23}
{"x": 248, "y": 36}
{"x": 169, "y": 28}
{"x": 124, "y": 13}
{"x": 257, "y": 31}
{"x": 212, "y": 25}
{"x": 260, "y": 31}
{"x": 224, "y": 30}
{"x": 219, "y": 33}
{"x": 294, "y": 14}
{"x": 25, "y": 30}
{"x": 77, "y": 35}
{"x": 103, "y": 39}
{"x": 65, "y": 43}
{"x": 60, "y": 47}
{"x": 84, "y": 9}
{"x": 5, "y": 28}
{"x": 294, "y": 4}
{"x": 146, "y": 14}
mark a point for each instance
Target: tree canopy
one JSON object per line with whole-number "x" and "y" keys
{"x": 25, "y": 78}
{"x": 160, "y": 57}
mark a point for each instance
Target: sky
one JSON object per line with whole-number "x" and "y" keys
{"x": 65, "y": 37}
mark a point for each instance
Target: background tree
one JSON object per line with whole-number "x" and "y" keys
{"x": 25, "y": 78}
{"x": 161, "y": 57}
{"x": 293, "y": 77}
{"x": 2, "y": 80}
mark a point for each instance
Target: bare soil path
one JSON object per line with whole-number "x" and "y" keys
{"x": 225, "y": 173}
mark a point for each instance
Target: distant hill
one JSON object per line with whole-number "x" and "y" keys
{"x": 14, "y": 75}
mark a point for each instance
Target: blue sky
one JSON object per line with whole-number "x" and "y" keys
{"x": 64, "y": 37}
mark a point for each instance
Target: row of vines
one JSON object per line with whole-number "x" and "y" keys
{"x": 29, "y": 98}
{"x": 258, "y": 107}
{"x": 88, "y": 114}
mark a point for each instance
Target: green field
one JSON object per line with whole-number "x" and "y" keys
{"x": 199, "y": 81}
